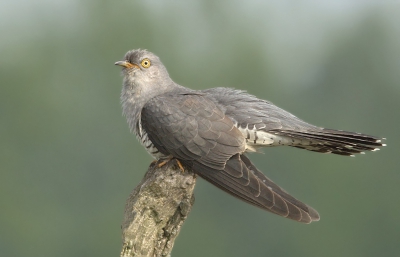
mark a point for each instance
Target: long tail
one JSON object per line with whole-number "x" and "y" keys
{"x": 333, "y": 141}
{"x": 243, "y": 180}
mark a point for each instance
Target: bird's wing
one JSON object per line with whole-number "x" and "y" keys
{"x": 249, "y": 111}
{"x": 190, "y": 127}
{"x": 194, "y": 130}
{"x": 243, "y": 180}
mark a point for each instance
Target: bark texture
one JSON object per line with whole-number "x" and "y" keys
{"x": 156, "y": 210}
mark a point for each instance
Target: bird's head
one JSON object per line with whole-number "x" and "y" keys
{"x": 142, "y": 66}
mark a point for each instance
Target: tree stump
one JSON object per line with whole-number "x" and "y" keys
{"x": 156, "y": 210}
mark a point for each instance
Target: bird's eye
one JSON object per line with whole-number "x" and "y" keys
{"x": 145, "y": 63}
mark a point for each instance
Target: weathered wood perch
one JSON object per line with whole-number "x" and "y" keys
{"x": 156, "y": 210}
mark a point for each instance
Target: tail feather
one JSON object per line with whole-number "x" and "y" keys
{"x": 333, "y": 141}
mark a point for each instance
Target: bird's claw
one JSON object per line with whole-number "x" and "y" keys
{"x": 159, "y": 165}
{"x": 162, "y": 163}
{"x": 180, "y": 165}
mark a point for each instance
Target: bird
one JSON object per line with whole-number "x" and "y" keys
{"x": 211, "y": 131}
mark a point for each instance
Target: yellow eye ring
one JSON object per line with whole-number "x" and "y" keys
{"x": 145, "y": 63}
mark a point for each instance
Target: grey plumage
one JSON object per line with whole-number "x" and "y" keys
{"x": 210, "y": 131}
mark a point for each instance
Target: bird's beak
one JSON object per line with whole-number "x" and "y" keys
{"x": 126, "y": 64}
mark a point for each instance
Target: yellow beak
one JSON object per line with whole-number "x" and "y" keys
{"x": 126, "y": 64}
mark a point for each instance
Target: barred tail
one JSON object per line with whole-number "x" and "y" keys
{"x": 333, "y": 141}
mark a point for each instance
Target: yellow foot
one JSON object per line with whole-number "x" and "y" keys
{"x": 160, "y": 164}
{"x": 169, "y": 159}
{"x": 180, "y": 165}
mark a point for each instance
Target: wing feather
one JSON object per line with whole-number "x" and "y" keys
{"x": 193, "y": 129}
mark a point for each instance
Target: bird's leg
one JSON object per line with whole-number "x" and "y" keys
{"x": 180, "y": 165}
{"x": 169, "y": 158}
{"x": 164, "y": 161}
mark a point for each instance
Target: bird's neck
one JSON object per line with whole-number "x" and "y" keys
{"x": 134, "y": 97}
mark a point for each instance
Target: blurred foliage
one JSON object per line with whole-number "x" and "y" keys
{"x": 68, "y": 161}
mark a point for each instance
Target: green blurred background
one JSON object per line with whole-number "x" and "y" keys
{"x": 68, "y": 161}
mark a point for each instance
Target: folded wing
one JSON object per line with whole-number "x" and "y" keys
{"x": 191, "y": 128}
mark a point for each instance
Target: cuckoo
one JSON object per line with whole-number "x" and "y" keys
{"x": 210, "y": 131}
